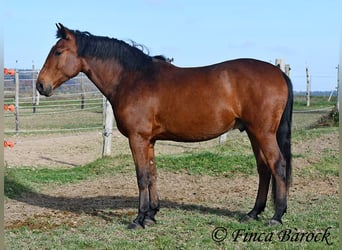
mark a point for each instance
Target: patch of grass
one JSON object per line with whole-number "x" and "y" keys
{"x": 13, "y": 188}
{"x": 316, "y": 102}
{"x": 328, "y": 165}
{"x": 305, "y": 134}
{"x": 209, "y": 163}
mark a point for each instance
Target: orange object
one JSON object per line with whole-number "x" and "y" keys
{"x": 11, "y": 108}
{"x": 9, "y": 144}
{"x": 10, "y": 72}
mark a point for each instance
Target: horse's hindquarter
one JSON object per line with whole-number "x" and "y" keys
{"x": 262, "y": 93}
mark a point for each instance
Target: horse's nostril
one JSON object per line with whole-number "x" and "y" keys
{"x": 44, "y": 89}
{"x": 39, "y": 86}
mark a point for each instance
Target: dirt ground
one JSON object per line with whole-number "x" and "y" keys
{"x": 70, "y": 150}
{"x": 119, "y": 193}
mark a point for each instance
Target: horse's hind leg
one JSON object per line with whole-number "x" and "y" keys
{"x": 264, "y": 181}
{"x": 277, "y": 167}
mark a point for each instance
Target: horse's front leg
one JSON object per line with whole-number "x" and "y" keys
{"x": 143, "y": 156}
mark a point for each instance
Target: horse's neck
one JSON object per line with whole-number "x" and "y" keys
{"x": 105, "y": 75}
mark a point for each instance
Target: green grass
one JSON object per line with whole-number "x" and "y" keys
{"x": 305, "y": 134}
{"x": 327, "y": 165}
{"x": 209, "y": 163}
{"x": 316, "y": 102}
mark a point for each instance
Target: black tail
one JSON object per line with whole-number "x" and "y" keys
{"x": 284, "y": 134}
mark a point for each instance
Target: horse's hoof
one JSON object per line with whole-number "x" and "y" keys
{"x": 149, "y": 222}
{"x": 274, "y": 222}
{"x": 134, "y": 226}
{"x": 247, "y": 218}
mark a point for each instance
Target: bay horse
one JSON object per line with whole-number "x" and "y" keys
{"x": 153, "y": 99}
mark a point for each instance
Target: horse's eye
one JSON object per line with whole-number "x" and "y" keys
{"x": 58, "y": 53}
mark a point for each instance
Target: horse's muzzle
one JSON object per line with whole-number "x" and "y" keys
{"x": 44, "y": 89}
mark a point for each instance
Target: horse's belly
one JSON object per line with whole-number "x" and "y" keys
{"x": 191, "y": 128}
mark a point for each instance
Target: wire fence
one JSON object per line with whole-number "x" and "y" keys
{"x": 75, "y": 106}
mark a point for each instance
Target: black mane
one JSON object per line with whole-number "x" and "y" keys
{"x": 105, "y": 48}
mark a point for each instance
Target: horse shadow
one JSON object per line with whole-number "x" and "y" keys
{"x": 103, "y": 206}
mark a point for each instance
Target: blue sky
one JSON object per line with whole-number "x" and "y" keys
{"x": 193, "y": 32}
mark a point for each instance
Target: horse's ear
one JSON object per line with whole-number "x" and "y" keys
{"x": 62, "y": 31}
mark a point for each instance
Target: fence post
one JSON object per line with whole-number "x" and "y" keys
{"x": 82, "y": 91}
{"x": 35, "y": 93}
{"x": 108, "y": 121}
{"x": 222, "y": 138}
{"x": 307, "y": 87}
{"x": 287, "y": 69}
{"x": 16, "y": 101}
{"x": 280, "y": 64}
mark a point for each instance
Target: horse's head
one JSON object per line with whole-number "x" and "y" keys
{"x": 61, "y": 64}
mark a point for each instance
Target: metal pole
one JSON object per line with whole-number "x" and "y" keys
{"x": 82, "y": 91}
{"x": 34, "y": 101}
{"x": 307, "y": 87}
{"x": 16, "y": 101}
